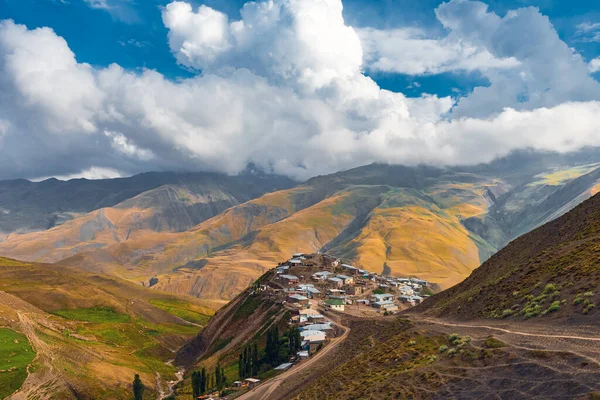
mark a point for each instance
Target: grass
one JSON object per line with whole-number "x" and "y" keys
{"x": 15, "y": 355}
{"x": 95, "y": 314}
{"x": 187, "y": 311}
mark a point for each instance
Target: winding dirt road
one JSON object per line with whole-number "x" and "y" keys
{"x": 265, "y": 390}
{"x": 494, "y": 328}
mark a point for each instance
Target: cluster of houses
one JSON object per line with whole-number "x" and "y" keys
{"x": 341, "y": 284}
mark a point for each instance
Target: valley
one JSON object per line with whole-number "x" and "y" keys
{"x": 455, "y": 344}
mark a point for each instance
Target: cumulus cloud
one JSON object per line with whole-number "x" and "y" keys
{"x": 410, "y": 51}
{"x": 283, "y": 88}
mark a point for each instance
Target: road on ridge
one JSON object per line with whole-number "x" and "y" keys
{"x": 266, "y": 389}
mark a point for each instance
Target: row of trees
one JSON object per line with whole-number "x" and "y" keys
{"x": 277, "y": 350}
{"x": 248, "y": 364}
{"x": 202, "y": 383}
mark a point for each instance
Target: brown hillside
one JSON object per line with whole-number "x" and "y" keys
{"x": 552, "y": 272}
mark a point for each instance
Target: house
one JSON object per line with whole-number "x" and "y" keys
{"x": 419, "y": 281}
{"x": 321, "y": 275}
{"x": 350, "y": 268}
{"x": 318, "y": 327}
{"x": 389, "y": 308}
{"x": 354, "y": 290}
{"x": 335, "y": 304}
{"x": 294, "y": 262}
{"x": 303, "y": 355}
{"x": 237, "y": 384}
{"x": 382, "y": 303}
{"x": 297, "y": 255}
{"x": 298, "y": 299}
{"x": 417, "y": 299}
{"x": 282, "y": 269}
{"x": 362, "y": 301}
{"x": 307, "y": 333}
{"x": 337, "y": 282}
{"x": 251, "y": 382}
{"x": 284, "y": 366}
{"x": 290, "y": 279}
{"x": 382, "y": 297}
{"x": 347, "y": 280}
{"x": 335, "y": 297}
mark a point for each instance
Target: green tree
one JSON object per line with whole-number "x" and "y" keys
{"x": 138, "y": 388}
{"x": 241, "y": 367}
{"x": 203, "y": 382}
{"x": 196, "y": 378}
{"x": 255, "y": 359}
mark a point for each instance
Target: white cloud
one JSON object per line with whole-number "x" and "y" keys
{"x": 594, "y": 65}
{"x": 410, "y": 51}
{"x": 90, "y": 173}
{"x": 284, "y": 88}
{"x": 588, "y": 32}
{"x": 121, "y": 10}
{"x": 550, "y": 73}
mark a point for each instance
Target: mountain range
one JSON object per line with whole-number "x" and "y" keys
{"x": 210, "y": 235}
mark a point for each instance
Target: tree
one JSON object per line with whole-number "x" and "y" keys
{"x": 241, "y": 367}
{"x": 203, "y": 382}
{"x": 255, "y": 359}
{"x": 138, "y": 388}
{"x": 196, "y": 382}
{"x": 218, "y": 376}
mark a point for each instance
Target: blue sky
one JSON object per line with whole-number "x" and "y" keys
{"x": 132, "y": 34}
{"x": 299, "y": 88}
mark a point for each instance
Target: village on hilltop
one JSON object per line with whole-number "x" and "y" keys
{"x": 316, "y": 290}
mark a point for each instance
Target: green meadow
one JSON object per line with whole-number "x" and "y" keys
{"x": 15, "y": 355}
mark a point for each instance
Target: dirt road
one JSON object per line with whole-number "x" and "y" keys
{"x": 265, "y": 390}
{"x": 529, "y": 336}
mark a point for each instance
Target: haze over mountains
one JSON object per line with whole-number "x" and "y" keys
{"x": 210, "y": 235}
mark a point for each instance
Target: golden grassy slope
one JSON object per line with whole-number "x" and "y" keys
{"x": 229, "y": 271}
{"x": 415, "y": 237}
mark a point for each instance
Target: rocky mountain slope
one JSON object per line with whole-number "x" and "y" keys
{"x": 185, "y": 198}
{"x": 434, "y": 223}
{"x": 552, "y": 272}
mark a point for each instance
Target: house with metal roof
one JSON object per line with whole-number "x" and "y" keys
{"x": 335, "y": 304}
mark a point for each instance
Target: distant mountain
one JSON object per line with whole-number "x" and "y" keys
{"x": 27, "y": 206}
{"x": 551, "y": 272}
{"x": 438, "y": 224}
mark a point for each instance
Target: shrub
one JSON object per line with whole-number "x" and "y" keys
{"x": 588, "y": 308}
{"x": 453, "y": 337}
{"x": 494, "y": 343}
{"x": 578, "y": 299}
{"x": 588, "y": 294}
{"x": 551, "y": 287}
{"x": 443, "y": 348}
{"x": 432, "y": 358}
{"x": 555, "y": 306}
{"x": 507, "y": 313}
{"x": 452, "y": 352}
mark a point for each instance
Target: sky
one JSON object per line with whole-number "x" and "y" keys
{"x": 106, "y": 88}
